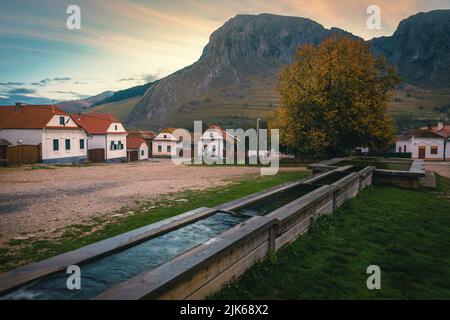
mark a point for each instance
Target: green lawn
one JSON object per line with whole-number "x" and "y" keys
{"x": 406, "y": 233}
{"x": 19, "y": 252}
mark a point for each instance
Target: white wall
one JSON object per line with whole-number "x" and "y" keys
{"x": 116, "y": 127}
{"x": 69, "y": 123}
{"x": 61, "y": 135}
{"x": 399, "y": 146}
{"x": 428, "y": 143}
{"x": 164, "y": 145}
{"x": 96, "y": 141}
{"x": 28, "y": 136}
{"x": 114, "y": 154}
{"x": 143, "y": 150}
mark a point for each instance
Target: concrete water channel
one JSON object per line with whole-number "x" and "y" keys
{"x": 118, "y": 262}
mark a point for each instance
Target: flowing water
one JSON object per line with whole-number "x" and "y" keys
{"x": 106, "y": 272}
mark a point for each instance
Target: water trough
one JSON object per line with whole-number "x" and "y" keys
{"x": 193, "y": 254}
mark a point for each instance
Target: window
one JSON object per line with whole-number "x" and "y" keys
{"x": 115, "y": 127}
{"x": 62, "y": 121}
{"x": 55, "y": 144}
{"x": 142, "y": 153}
{"x": 67, "y": 144}
{"x": 399, "y": 149}
{"x": 81, "y": 144}
{"x": 434, "y": 150}
{"x": 404, "y": 148}
{"x": 159, "y": 148}
{"x": 169, "y": 148}
{"x": 165, "y": 136}
{"x": 113, "y": 145}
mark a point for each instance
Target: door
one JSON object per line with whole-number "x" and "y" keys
{"x": 96, "y": 155}
{"x": 134, "y": 155}
{"x": 421, "y": 152}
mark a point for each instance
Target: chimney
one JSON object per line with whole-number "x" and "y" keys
{"x": 440, "y": 126}
{"x": 18, "y": 105}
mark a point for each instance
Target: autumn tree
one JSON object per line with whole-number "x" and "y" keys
{"x": 334, "y": 98}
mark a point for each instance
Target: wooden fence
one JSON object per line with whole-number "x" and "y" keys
{"x": 23, "y": 154}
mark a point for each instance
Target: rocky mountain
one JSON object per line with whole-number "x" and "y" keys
{"x": 235, "y": 77}
{"x": 420, "y": 48}
{"x": 234, "y": 80}
{"x": 76, "y": 106}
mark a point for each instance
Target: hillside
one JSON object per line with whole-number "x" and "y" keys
{"x": 76, "y": 106}
{"x": 234, "y": 81}
{"x": 235, "y": 77}
{"x": 121, "y": 109}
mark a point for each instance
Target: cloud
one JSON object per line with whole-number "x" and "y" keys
{"x": 21, "y": 91}
{"x": 129, "y": 79}
{"x": 11, "y": 83}
{"x": 62, "y": 79}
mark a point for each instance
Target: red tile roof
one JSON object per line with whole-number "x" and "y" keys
{"x": 28, "y": 116}
{"x": 444, "y": 132}
{"x": 95, "y": 123}
{"x": 145, "y": 134}
{"x": 134, "y": 143}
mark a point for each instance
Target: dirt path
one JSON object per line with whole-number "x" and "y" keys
{"x": 39, "y": 202}
{"x": 441, "y": 167}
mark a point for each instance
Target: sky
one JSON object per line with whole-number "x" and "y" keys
{"x": 123, "y": 43}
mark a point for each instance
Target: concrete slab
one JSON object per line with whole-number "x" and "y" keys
{"x": 429, "y": 181}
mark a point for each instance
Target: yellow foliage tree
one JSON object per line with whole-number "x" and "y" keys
{"x": 334, "y": 98}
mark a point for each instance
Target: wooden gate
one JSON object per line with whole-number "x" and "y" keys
{"x": 23, "y": 154}
{"x": 96, "y": 155}
{"x": 133, "y": 155}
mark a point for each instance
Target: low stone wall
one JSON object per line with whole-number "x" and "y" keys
{"x": 206, "y": 268}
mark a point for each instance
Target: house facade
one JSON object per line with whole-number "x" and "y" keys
{"x": 105, "y": 132}
{"x": 213, "y": 143}
{"x": 164, "y": 144}
{"x": 60, "y": 139}
{"x": 137, "y": 149}
{"x": 147, "y": 135}
{"x": 428, "y": 143}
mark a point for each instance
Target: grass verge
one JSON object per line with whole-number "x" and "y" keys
{"x": 19, "y": 252}
{"x": 404, "y": 232}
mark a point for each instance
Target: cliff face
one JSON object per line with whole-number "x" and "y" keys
{"x": 420, "y": 48}
{"x": 242, "y": 56}
{"x": 234, "y": 81}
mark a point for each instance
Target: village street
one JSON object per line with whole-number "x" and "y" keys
{"x": 38, "y": 202}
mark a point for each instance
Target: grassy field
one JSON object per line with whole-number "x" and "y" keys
{"x": 19, "y": 252}
{"x": 406, "y": 233}
{"x": 120, "y": 109}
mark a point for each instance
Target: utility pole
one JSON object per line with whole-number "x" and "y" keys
{"x": 257, "y": 139}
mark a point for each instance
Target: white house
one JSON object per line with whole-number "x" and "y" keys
{"x": 105, "y": 133}
{"x": 61, "y": 140}
{"x": 428, "y": 143}
{"x": 164, "y": 144}
{"x": 137, "y": 149}
{"x": 213, "y": 142}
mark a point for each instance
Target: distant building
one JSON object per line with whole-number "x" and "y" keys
{"x": 164, "y": 143}
{"x": 213, "y": 143}
{"x": 59, "y": 138}
{"x": 107, "y": 137}
{"x": 428, "y": 143}
{"x": 147, "y": 135}
{"x": 137, "y": 149}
